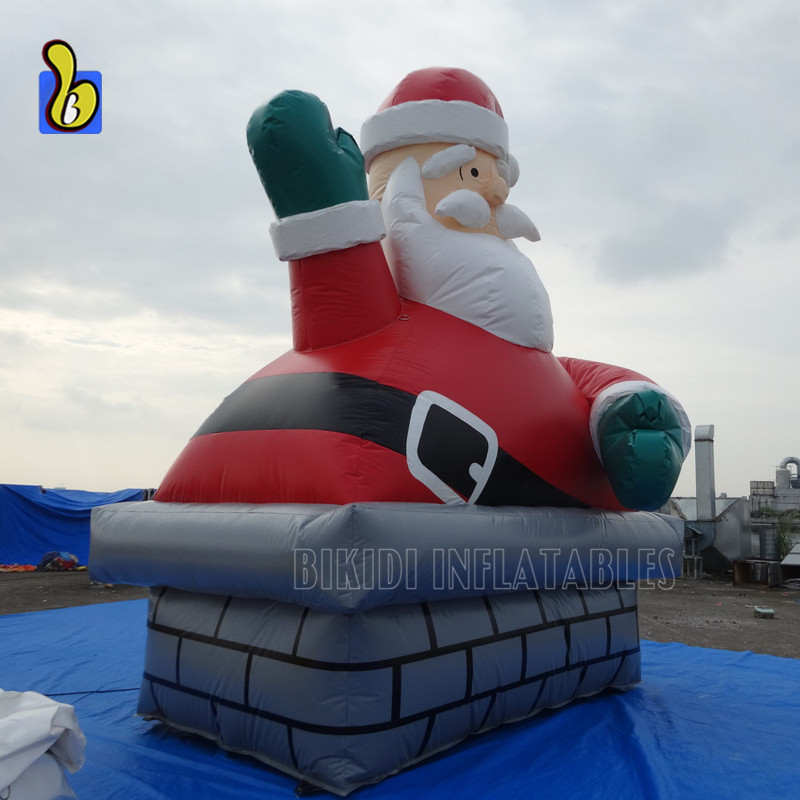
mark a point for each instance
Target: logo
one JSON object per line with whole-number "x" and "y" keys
{"x": 69, "y": 101}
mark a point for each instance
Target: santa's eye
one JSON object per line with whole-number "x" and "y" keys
{"x": 473, "y": 171}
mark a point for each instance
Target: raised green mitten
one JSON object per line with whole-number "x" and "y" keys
{"x": 304, "y": 164}
{"x": 641, "y": 447}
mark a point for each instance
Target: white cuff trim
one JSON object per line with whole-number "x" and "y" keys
{"x": 334, "y": 228}
{"x": 617, "y": 390}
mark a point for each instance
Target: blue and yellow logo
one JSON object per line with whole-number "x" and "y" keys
{"x": 69, "y": 101}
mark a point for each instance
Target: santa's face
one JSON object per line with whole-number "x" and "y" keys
{"x": 478, "y": 175}
{"x": 447, "y": 169}
{"x": 465, "y": 188}
{"x": 459, "y": 268}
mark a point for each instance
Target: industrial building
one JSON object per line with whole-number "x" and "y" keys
{"x": 749, "y": 536}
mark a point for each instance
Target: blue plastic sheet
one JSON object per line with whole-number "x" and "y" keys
{"x": 704, "y": 723}
{"x": 35, "y": 521}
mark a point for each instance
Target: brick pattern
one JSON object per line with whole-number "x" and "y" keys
{"x": 343, "y": 700}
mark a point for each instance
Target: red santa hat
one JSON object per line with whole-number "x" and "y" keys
{"x": 437, "y": 104}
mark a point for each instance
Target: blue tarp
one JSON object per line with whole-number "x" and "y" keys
{"x": 35, "y": 521}
{"x": 704, "y": 723}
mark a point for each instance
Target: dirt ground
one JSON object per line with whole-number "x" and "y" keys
{"x": 705, "y": 612}
{"x": 711, "y": 612}
{"x": 38, "y": 591}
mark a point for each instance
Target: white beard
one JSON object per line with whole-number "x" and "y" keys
{"x": 477, "y": 277}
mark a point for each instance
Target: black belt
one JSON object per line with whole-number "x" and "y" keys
{"x": 343, "y": 403}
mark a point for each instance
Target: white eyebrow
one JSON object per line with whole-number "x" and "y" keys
{"x": 448, "y": 160}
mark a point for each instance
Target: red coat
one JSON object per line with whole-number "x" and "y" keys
{"x": 329, "y": 421}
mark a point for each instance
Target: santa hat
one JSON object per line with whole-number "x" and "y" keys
{"x": 437, "y": 104}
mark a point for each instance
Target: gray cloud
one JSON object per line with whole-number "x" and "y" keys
{"x": 678, "y": 239}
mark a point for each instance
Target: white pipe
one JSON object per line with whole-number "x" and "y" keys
{"x": 704, "y": 473}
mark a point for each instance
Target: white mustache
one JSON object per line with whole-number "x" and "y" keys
{"x": 513, "y": 222}
{"x": 472, "y": 211}
{"x": 467, "y": 208}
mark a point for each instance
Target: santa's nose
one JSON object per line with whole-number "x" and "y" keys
{"x": 495, "y": 190}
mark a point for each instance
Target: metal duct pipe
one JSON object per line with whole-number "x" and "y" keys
{"x": 783, "y": 476}
{"x": 704, "y": 473}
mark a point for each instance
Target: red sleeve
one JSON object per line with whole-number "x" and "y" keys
{"x": 340, "y": 296}
{"x": 592, "y": 377}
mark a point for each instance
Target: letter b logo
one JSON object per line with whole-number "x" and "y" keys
{"x": 69, "y": 101}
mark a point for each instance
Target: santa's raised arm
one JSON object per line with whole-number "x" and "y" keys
{"x": 418, "y": 289}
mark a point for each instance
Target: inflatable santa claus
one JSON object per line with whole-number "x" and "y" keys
{"x": 422, "y": 367}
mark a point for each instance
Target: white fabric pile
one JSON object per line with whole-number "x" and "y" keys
{"x": 39, "y": 739}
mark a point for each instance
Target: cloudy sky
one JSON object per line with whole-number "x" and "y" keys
{"x": 659, "y": 145}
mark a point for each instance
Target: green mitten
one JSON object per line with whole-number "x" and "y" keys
{"x": 304, "y": 164}
{"x": 641, "y": 447}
